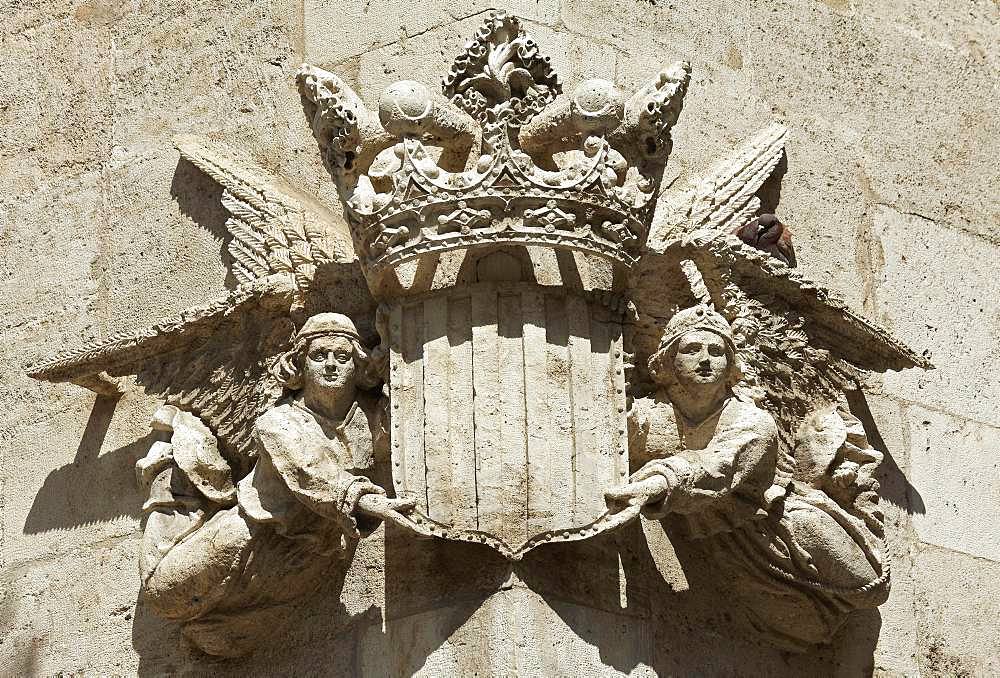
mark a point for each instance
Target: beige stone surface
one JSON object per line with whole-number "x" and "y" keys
{"x": 502, "y": 636}
{"x": 54, "y": 505}
{"x": 392, "y": 23}
{"x": 955, "y": 613}
{"x": 952, "y": 458}
{"x": 890, "y": 190}
{"x": 957, "y": 319}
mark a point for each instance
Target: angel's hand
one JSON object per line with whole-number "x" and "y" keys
{"x": 647, "y": 491}
{"x": 386, "y": 508}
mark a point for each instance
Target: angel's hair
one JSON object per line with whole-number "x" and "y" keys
{"x": 661, "y": 365}
{"x": 288, "y": 368}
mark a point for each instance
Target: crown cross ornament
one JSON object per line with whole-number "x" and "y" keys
{"x": 512, "y": 294}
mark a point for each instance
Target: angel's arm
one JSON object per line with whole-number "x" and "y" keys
{"x": 738, "y": 465}
{"x": 312, "y": 476}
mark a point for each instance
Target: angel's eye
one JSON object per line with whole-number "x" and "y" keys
{"x": 343, "y": 357}
{"x": 716, "y": 350}
{"x": 691, "y": 349}
{"x": 317, "y": 356}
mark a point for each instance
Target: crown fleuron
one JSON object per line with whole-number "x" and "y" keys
{"x": 501, "y": 157}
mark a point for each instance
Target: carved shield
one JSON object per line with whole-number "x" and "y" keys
{"x": 508, "y": 412}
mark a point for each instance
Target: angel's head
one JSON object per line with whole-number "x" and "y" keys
{"x": 697, "y": 350}
{"x": 327, "y": 355}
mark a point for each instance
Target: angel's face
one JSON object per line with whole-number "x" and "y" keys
{"x": 701, "y": 358}
{"x": 329, "y": 362}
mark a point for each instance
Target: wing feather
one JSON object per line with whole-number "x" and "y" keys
{"x": 273, "y": 228}
{"x": 247, "y": 247}
{"x": 726, "y": 198}
{"x": 225, "y": 380}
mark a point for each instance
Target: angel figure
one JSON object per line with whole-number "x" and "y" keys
{"x": 800, "y": 560}
{"x": 226, "y": 559}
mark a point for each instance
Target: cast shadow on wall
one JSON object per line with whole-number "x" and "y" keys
{"x": 199, "y": 198}
{"x": 353, "y": 624}
{"x": 678, "y": 621}
{"x": 894, "y": 486}
{"x": 675, "y": 614}
{"x": 675, "y": 628}
{"x": 67, "y": 498}
{"x": 635, "y": 604}
{"x": 670, "y": 622}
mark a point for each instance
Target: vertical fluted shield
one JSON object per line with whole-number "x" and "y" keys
{"x": 508, "y": 412}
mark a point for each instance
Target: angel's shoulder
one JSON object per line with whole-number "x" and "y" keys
{"x": 279, "y": 420}
{"x": 751, "y": 416}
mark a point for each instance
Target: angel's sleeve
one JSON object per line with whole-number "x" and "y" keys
{"x": 312, "y": 476}
{"x": 727, "y": 479}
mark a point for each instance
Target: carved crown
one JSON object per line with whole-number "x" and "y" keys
{"x": 501, "y": 157}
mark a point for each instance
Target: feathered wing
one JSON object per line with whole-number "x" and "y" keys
{"x": 226, "y": 381}
{"x": 690, "y": 241}
{"x": 801, "y": 346}
{"x": 726, "y": 198}
{"x": 211, "y": 360}
{"x": 290, "y": 257}
{"x": 274, "y": 228}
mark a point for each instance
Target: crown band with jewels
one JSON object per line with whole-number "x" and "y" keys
{"x": 503, "y": 160}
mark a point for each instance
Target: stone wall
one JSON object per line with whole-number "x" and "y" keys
{"x": 890, "y": 190}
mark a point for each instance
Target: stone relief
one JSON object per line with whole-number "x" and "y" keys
{"x": 224, "y": 559}
{"x": 514, "y": 335}
{"x": 783, "y": 525}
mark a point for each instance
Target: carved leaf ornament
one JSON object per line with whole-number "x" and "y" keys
{"x": 501, "y": 77}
